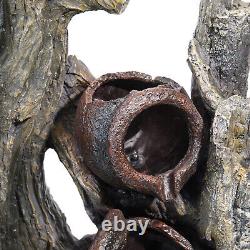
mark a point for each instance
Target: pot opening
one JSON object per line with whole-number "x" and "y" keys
{"x": 120, "y": 88}
{"x": 151, "y": 240}
{"x": 157, "y": 139}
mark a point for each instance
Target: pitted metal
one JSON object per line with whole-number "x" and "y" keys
{"x": 104, "y": 115}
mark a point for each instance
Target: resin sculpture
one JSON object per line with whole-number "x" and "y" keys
{"x": 136, "y": 147}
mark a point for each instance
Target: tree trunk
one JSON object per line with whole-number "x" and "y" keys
{"x": 39, "y": 90}
{"x": 33, "y": 58}
{"x": 219, "y": 59}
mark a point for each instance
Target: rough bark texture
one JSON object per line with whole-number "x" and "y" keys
{"x": 219, "y": 52}
{"x": 39, "y": 91}
{"x": 33, "y": 57}
{"x": 225, "y": 200}
{"x": 219, "y": 59}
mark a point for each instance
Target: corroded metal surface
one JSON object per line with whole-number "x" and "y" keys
{"x": 111, "y": 239}
{"x": 168, "y": 232}
{"x": 156, "y": 231}
{"x": 104, "y": 119}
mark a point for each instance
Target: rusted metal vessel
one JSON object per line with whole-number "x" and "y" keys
{"x": 139, "y": 133}
{"x": 157, "y": 236}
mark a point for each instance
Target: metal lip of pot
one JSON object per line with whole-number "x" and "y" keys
{"x": 107, "y": 78}
{"x": 124, "y": 237}
{"x": 103, "y": 125}
{"x": 167, "y": 231}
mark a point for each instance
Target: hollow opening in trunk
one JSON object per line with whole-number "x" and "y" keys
{"x": 66, "y": 195}
{"x": 120, "y": 88}
{"x": 157, "y": 139}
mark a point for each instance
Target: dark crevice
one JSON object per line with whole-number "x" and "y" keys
{"x": 157, "y": 139}
{"x": 191, "y": 234}
{"x": 120, "y": 88}
{"x": 18, "y": 123}
{"x": 151, "y": 240}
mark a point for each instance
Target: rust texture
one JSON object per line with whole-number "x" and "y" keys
{"x": 111, "y": 239}
{"x": 157, "y": 232}
{"x": 140, "y": 134}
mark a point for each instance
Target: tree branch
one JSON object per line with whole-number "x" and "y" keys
{"x": 63, "y": 140}
{"x": 224, "y": 205}
{"x": 111, "y": 6}
{"x": 219, "y": 59}
{"x": 219, "y": 52}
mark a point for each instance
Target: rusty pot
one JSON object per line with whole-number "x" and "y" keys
{"x": 139, "y": 133}
{"x": 158, "y": 233}
{"x": 167, "y": 233}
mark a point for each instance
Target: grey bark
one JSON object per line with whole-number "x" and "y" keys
{"x": 33, "y": 57}
{"x": 219, "y": 52}
{"x": 225, "y": 201}
{"x": 219, "y": 59}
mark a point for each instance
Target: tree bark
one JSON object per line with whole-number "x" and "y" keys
{"x": 219, "y": 59}
{"x": 219, "y": 52}
{"x": 33, "y": 58}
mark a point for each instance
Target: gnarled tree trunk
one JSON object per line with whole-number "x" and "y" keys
{"x": 33, "y": 92}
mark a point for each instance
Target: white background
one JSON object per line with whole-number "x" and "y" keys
{"x": 151, "y": 36}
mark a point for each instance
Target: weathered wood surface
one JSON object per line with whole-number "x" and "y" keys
{"x": 33, "y": 91}
{"x": 219, "y": 59}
